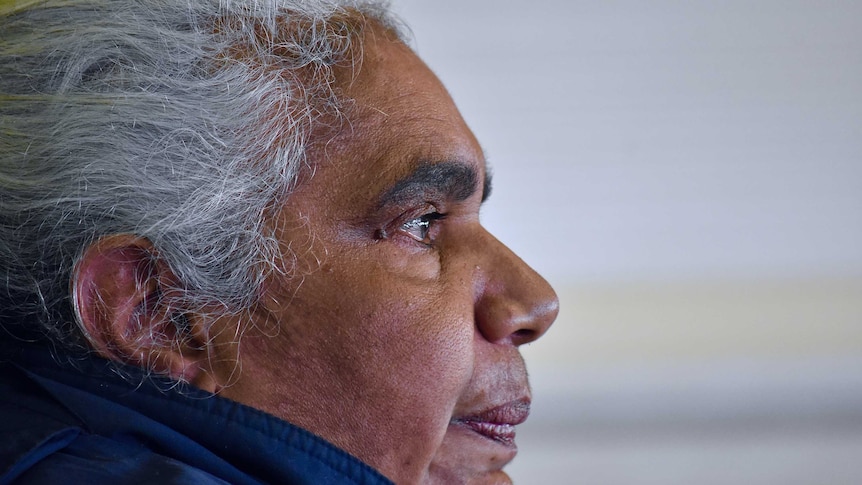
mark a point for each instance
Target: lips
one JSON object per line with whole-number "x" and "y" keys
{"x": 497, "y": 423}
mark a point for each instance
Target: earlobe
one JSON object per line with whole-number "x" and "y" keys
{"x": 123, "y": 297}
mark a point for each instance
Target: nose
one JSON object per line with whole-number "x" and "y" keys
{"x": 514, "y": 304}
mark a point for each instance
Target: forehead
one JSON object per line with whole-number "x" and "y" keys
{"x": 398, "y": 117}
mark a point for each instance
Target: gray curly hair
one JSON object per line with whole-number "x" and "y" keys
{"x": 181, "y": 121}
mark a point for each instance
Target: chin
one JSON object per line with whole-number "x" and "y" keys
{"x": 471, "y": 455}
{"x": 454, "y": 477}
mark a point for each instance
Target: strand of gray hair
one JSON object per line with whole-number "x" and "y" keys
{"x": 122, "y": 116}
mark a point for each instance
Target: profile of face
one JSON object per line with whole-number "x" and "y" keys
{"x": 394, "y": 330}
{"x": 397, "y": 337}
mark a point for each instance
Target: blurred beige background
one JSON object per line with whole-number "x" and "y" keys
{"x": 688, "y": 175}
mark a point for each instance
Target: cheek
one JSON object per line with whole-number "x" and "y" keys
{"x": 405, "y": 335}
{"x": 414, "y": 314}
{"x": 409, "y": 304}
{"x": 386, "y": 320}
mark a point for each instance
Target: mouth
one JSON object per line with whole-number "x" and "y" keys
{"x": 497, "y": 423}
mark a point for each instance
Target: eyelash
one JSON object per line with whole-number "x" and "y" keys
{"x": 420, "y": 227}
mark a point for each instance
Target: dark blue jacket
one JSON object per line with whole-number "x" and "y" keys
{"x": 78, "y": 421}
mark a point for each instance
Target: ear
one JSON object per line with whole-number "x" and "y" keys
{"x": 127, "y": 300}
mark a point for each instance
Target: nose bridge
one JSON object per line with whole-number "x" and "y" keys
{"x": 514, "y": 303}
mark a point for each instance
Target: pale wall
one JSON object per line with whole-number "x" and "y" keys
{"x": 688, "y": 175}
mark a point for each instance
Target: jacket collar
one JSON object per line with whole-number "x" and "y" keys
{"x": 214, "y": 434}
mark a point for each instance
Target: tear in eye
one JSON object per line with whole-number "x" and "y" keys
{"x": 420, "y": 228}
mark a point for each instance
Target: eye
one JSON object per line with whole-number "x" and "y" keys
{"x": 420, "y": 227}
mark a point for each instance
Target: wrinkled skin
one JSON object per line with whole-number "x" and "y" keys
{"x": 400, "y": 342}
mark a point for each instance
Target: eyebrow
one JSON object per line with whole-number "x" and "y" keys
{"x": 453, "y": 180}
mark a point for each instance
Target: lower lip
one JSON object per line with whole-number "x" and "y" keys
{"x": 500, "y": 433}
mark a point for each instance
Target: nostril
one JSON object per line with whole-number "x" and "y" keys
{"x": 523, "y": 336}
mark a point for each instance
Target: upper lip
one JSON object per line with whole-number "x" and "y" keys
{"x": 511, "y": 413}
